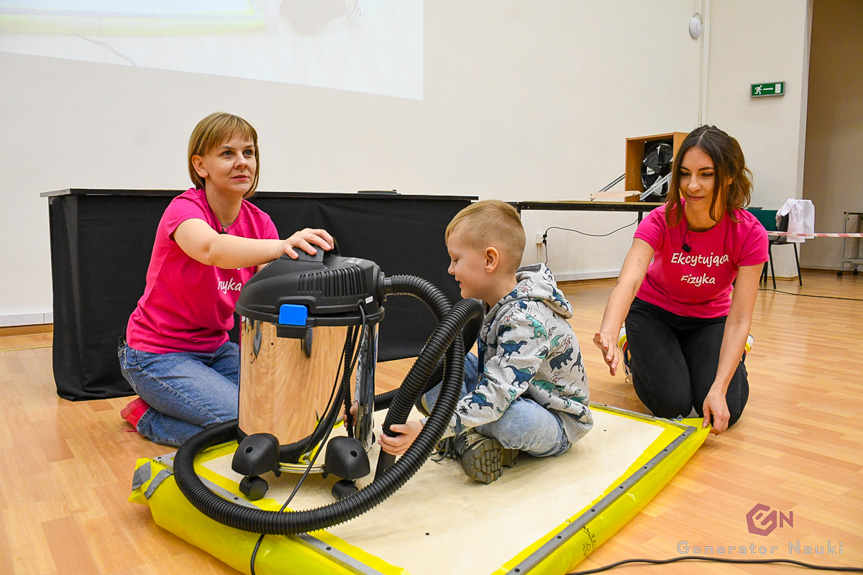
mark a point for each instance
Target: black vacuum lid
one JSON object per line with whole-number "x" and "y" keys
{"x": 324, "y": 289}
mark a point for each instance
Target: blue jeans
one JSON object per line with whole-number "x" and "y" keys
{"x": 674, "y": 360}
{"x": 186, "y": 391}
{"x": 525, "y": 425}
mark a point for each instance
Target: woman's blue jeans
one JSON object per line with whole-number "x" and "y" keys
{"x": 186, "y": 391}
{"x": 674, "y": 360}
{"x": 525, "y": 425}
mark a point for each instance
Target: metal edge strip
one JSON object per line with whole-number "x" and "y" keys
{"x": 314, "y": 543}
{"x": 336, "y": 556}
{"x": 559, "y": 538}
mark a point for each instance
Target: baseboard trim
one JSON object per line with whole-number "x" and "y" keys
{"x": 25, "y": 319}
{"x": 27, "y": 329}
{"x": 578, "y": 276}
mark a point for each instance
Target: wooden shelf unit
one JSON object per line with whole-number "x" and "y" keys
{"x": 635, "y": 156}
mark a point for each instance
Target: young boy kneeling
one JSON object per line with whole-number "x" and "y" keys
{"x": 526, "y": 389}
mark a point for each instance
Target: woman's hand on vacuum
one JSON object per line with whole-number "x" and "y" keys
{"x": 610, "y": 351}
{"x": 407, "y": 433}
{"x": 306, "y": 240}
{"x": 716, "y": 408}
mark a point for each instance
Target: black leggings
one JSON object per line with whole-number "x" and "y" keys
{"x": 673, "y": 360}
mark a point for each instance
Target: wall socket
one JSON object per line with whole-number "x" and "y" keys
{"x": 539, "y": 238}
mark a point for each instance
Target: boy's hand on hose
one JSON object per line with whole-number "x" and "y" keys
{"x": 610, "y": 351}
{"x": 397, "y": 445}
{"x": 354, "y": 407}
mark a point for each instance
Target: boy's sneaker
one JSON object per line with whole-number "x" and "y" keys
{"x": 624, "y": 347}
{"x": 422, "y": 406}
{"x": 134, "y": 410}
{"x": 482, "y": 458}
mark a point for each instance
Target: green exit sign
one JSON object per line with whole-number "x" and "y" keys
{"x": 768, "y": 89}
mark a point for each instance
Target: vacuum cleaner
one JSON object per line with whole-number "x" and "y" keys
{"x": 308, "y": 350}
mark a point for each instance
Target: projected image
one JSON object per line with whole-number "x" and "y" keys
{"x": 371, "y": 46}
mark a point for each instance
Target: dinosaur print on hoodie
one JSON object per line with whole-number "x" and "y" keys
{"x": 527, "y": 349}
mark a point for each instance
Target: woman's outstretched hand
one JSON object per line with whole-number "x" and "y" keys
{"x": 610, "y": 351}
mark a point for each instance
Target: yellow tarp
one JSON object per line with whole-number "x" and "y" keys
{"x": 409, "y": 533}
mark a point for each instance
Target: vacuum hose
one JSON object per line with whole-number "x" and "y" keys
{"x": 436, "y": 301}
{"x": 445, "y": 342}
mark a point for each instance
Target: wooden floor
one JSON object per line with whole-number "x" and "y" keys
{"x": 66, "y": 467}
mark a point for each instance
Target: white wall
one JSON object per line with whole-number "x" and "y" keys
{"x": 834, "y": 135}
{"x": 522, "y": 100}
{"x": 751, "y": 43}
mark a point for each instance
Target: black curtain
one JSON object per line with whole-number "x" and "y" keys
{"x": 100, "y": 250}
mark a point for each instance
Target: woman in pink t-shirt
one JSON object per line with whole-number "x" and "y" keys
{"x": 177, "y": 356}
{"x": 687, "y": 288}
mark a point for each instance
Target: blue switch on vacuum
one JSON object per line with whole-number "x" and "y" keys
{"x": 293, "y": 314}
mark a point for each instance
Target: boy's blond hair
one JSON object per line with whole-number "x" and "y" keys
{"x": 492, "y": 223}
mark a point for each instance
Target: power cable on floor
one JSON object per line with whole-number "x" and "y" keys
{"x": 810, "y": 295}
{"x": 720, "y": 560}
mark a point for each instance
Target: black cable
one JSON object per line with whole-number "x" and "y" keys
{"x": 352, "y": 334}
{"x": 810, "y": 295}
{"x": 545, "y": 234}
{"x": 299, "y": 483}
{"x": 545, "y": 243}
{"x": 719, "y": 560}
{"x": 346, "y": 385}
{"x": 445, "y": 339}
{"x": 585, "y": 233}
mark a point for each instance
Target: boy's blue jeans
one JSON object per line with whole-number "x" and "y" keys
{"x": 525, "y": 425}
{"x": 186, "y": 391}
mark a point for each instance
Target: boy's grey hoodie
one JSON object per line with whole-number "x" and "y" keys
{"x": 527, "y": 348}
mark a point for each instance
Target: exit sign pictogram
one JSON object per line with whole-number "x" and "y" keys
{"x": 767, "y": 89}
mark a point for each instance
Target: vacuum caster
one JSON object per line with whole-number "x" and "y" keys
{"x": 344, "y": 488}
{"x": 253, "y": 487}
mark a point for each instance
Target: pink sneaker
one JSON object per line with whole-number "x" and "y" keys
{"x": 134, "y": 410}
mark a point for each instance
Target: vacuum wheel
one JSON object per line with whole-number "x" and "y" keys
{"x": 254, "y": 487}
{"x": 344, "y": 488}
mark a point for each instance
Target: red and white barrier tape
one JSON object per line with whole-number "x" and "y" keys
{"x": 818, "y": 235}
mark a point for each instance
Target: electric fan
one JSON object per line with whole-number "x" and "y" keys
{"x": 656, "y": 166}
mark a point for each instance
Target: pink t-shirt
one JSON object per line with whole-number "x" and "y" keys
{"x": 187, "y": 305}
{"x": 698, "y": 283}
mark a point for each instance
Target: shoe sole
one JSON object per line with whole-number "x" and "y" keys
{"x": 422, "y": 406}
{"x": 484, "y": 461}
{"x": 509, "y": 457}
